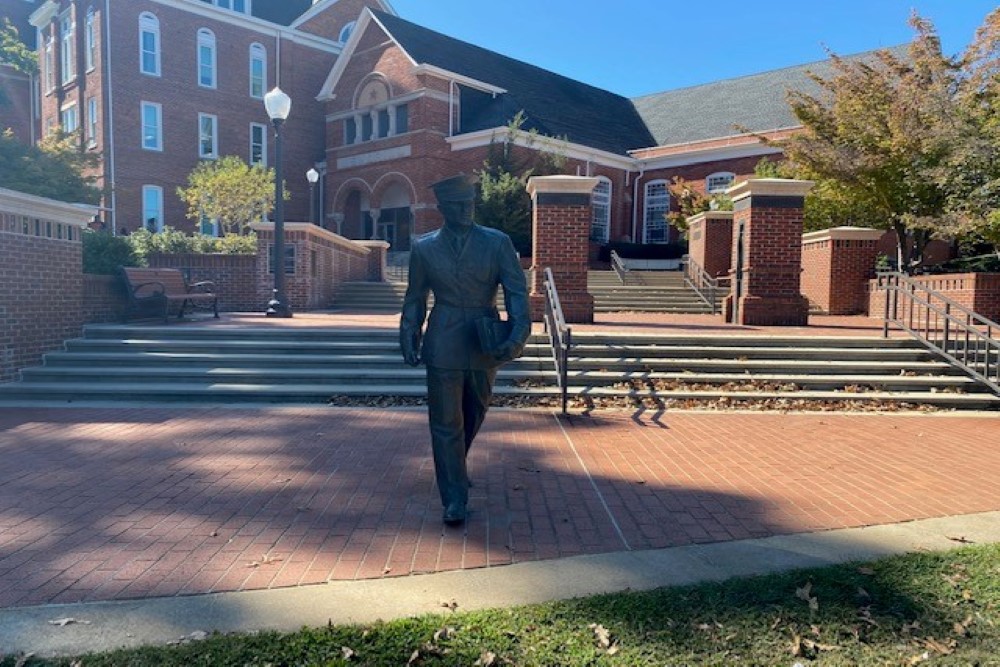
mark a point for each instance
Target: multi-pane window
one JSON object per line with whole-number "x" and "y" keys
{"x": 258, "y": 144}
{"x": 600, "y": 207}
{"x": 378, "y": 123}
{"x": 90, "y": 41}
{"x": 258, "y": 71}
{"x": 152, "y": 130}
{"x": 240, "y": 6}
{"x": 152, "y": 208}
{"x": 92, "y": 121}
{"x": 70, "y": 119}
{"x": 657, "y": 205}
{"x": 719, "y": 182}
{"x": 50, "y": 65}
{"x": 206, "y": 58}
{"x": 149, "y": 44}
{"x": 208, "y": 136}
{"x": 67, "y": 47}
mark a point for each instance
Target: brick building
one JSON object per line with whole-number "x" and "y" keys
{"x": 382, "y": 108}
{"x": 18, "y": 90}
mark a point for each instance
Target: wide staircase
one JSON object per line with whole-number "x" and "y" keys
{"x": 645, "y": 291}
{"x": 207, "y": 364}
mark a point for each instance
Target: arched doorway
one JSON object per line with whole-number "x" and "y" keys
{"x": 395, "y": 222}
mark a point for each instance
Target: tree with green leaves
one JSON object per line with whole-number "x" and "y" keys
{"x": 14, "y": 53}
{"x": 56, "y": 168}
{"x": 229, "y": 191}
{"x": 970, "y": 175}
{"x": 876, "y": 137}
{"x": 504, "y": 202}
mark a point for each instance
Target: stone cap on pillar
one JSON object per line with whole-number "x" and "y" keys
{"x": 844, "y": 234}
{"x": 710, "y": 216}
{"x": 561, "y": 185}
{"x": 769, "y": 187}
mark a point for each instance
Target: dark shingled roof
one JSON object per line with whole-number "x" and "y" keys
{"x": 282, "y": 12}
{"x": 756, "y": 102}
{"x": 554, "y": 105}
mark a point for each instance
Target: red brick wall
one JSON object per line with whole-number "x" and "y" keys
{"x": 323, "y": 262}
{"x": 40, "y": 298}
{"x": 103, "y": 298}
{"x": 979, "y": 292}
{"x": 710, "y": 239}
{"x": 836, "y": 271}
{"x": 560, "y": 238}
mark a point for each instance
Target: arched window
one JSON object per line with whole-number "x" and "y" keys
{"x": 345, "y": 32}
{"x": 656, "y": 205}
{"x": 206, "y": 58}
{"x": 149, "y": 44}
{"x": 258, "y": 71}
{"x": 719, "y": 182}
{"x": 375, "y": 116}
{"x": 600, "y": 205}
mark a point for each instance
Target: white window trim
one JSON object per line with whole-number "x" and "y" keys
{"x": 345, "y": 32}
{"x": 73, "y": 107}
{"x": 91, "y": 121}
{"x": 646, "y": 210}
{"x": 148, "y": 22}
{"x": 605, "y": 237}
{"x": 718, "y": 174}
{"x": 67, "y": 56}
{"x": 206, "y": 38}
{"x": 159, "y": 216}
{"x": 90, "y": 43}
{"x": 263, "y": 144}
{"x": 215, "y": 136}
{"x": 258, "y": 52}
{"x": 50, "y": 64}
{"x": 159, "y": 126}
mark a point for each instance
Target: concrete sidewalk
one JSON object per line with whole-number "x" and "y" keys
{"x": 155, "y": 522}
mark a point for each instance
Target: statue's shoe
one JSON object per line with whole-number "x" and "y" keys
{"x": 454, "y": 514}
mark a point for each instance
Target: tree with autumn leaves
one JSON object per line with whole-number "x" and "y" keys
{"x": 229, "y": 191}
{"x": 908, "y": 143}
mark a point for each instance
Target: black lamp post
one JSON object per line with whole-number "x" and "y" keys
{"x": 278, "y": 104}
{"x": 312, "y": 176}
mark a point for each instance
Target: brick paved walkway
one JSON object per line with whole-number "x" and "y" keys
{"x": 100, "y": 504}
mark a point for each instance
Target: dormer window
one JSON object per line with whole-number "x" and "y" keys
{"x": 241, "y": 6}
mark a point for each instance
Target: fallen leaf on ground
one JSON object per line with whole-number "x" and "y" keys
{"x": 450, "y": 604}
{"x": 414, "y": 657}
{"x": 63, "y": 622}
{"x": 23, "y": 659}
{"x": 867, "y": 571}
{"x": 486, "y": 659}
{"x": 602, "y": 635}
{"x": 961, "y": 539}
{"x": 347, "y": 652}
{"x": 944, "y": 648}
{"x": 804, "y": 594}
{"x": 446, "y": 632}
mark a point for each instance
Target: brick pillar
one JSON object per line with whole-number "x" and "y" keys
{"x": 710, "y": 241}
{"x": 767, "y": 232}
{"x": 560, "y": 236}
{"x": 836, "y": 267}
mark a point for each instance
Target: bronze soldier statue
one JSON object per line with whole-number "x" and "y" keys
{"x": 463, "y": 264}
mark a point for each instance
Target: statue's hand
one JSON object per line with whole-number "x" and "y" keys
{"x": 507, "y": 351}
{"x": 410, "y": 355}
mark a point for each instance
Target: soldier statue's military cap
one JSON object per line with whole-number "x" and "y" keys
{"x": 455, "y": 189}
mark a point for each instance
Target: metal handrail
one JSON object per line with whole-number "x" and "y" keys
{"x": 560, "y": 336}
{"x": 965, "y": 338}
{"x": 619, "y": 266}
{"x": 704, "y": 285}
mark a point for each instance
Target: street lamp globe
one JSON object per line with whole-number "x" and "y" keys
{"x": 312, "y": 176}
{"x": 278, "y": 104}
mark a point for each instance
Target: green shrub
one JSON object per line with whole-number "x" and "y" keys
{"x": 104, "y": 253}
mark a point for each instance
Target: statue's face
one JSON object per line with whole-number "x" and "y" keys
{"x": 457, "y": 212}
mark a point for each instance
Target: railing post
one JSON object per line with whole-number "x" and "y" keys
{"x": 883, "y": 281}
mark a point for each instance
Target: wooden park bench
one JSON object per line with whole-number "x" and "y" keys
{"x": 155, "y": 290}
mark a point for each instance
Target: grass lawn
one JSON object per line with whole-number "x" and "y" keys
{"x": 918, "y": 609}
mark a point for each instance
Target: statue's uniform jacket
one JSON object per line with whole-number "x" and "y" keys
{"x": 465, "y": 285}
{"x": 464, "y": 278}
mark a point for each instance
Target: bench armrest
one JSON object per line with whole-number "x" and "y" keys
{"x": 160, "y": 289}
{"x": 203, "y": 286}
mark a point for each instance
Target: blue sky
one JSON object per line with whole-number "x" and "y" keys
{"x": 636, "y": 47}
